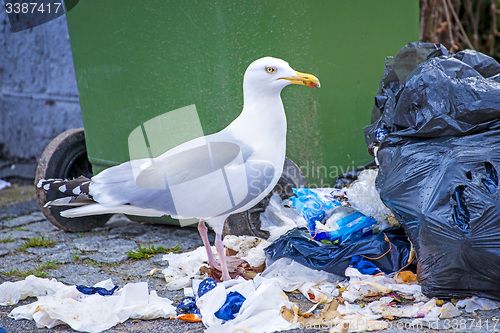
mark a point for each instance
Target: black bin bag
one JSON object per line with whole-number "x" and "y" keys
{"x": 437, "y": 128}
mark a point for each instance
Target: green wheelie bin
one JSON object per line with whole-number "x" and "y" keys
{"x": 137, "y": 60}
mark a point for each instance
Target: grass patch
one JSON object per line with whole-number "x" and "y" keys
{"x": 76, "y": 256}
{"x": 19, "y": 229}
{"x": 93, "y": 263}
{"x": 148, "y": 252}
{"x": 7, "y": 239}
{"x": 38, "y": 271}
{"x": 7, "y": 218}
{"x": 37, "y": 242}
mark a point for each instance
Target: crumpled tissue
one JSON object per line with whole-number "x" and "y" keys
{"x": 248, "y": 248}
{"x": 182, "y": 267}
{"x": 92, "y": 313}
{"x": 31, "y": 286}
{"x": 317, "y": 286}
{"x": 361, "y": 285}
{"x": 259, "y": 313}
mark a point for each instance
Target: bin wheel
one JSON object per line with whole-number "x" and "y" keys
{"x": 248, "y": 222}
{"x": 66, "y": 157}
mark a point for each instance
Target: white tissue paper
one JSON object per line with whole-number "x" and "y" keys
{"x": 259, "y": 313}
{"x": 89, "y": 313}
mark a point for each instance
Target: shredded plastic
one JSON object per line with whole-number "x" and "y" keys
{"x": 277, "y": 219}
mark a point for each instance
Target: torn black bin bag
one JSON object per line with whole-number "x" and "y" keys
{"x": 392, "y": 252}
{"x": 439, "y": 163}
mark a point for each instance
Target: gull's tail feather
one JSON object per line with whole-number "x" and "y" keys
{"x": 97, "y": 209}
{"x": 73, "y": 187}
{"x": 80, "y": 200}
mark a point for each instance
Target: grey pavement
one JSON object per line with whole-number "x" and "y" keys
{"x": 88, "y": 258}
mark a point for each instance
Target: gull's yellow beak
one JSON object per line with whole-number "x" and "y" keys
{"x": 305, "y": 79}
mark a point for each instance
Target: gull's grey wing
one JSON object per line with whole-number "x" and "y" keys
{"x": 200, "y": 181}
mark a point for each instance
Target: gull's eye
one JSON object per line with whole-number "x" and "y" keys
{"x": 270, "y": 70}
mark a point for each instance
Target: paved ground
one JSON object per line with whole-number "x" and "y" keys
{"x": 87, "y": 258}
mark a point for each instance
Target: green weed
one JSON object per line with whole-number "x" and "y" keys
{"x": 148, "y": 252}
{"x": 37, "y": 242}
{"x": 38, "y": 271}
{"x": 7, "y": 239}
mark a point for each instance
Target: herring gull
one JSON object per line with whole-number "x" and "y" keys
{"x": 207, "y": 178}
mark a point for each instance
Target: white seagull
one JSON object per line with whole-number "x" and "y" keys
{"x": 208, "y": 178}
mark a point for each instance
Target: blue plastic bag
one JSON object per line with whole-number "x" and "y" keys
{"x": 233, "y": 304}
{"x": 317, "y": 205}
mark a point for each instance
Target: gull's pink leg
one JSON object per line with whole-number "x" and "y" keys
{"x": 222, "y": 257}
{"x": 203, "y": 230}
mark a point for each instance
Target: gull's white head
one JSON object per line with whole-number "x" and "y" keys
{"x": 272, "y": 75}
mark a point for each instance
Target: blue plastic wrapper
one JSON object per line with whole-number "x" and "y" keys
{"x": 206, "y": 285}
{"x": 233, "y": 304}
{"x": 96, "y": 290}
{"x": 188, "y": 305}
{"x": 364, "y": 266}
{"x": 316, "y": 208}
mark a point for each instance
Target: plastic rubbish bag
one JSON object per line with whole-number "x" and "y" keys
{"x": 341, "y": 223}
{"x": 392, "y": 249}
{"x": 438, "y": 169}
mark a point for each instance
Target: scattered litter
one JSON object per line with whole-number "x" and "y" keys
{"x": 260, "y": 312}
{"x": 58, "y": 303}
{"x": 317, "y": 286}
{"x": 190, "y": 317}
{"x": 205, "y": 286}
{"x": 13, "y": 292}
{"x": 362, "y": 286}
{"x": 326, "y": 315}
{"x": 438, "y": 172}
{"x": 93, "y": 290}
{"x": 188, "y": 305}
{"x": 182, "y": 267}
{"x": 248, "y": 248}
{"x": 232, "y": 305}
{"x": 4, "y": 184}
{"x": 343, "y": 215}
{"x": 277, "y": 219}
{"x": 364, "y": 265}
{"x": 328, "y": 219}
{"x": 389, "y": 251}
{"x": 477, "y": 303}
{"x": 448, "y": 311}
{"x": 364, "y": 197}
